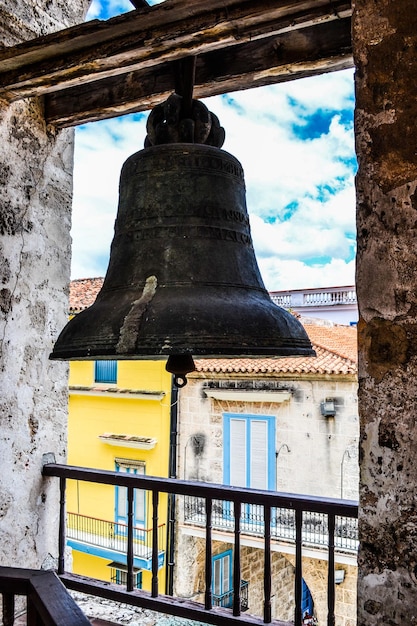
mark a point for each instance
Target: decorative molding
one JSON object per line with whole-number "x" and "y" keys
{"x": 128, "y": 441}
{"x": 114, "y": 392}
{"x": 240, "y": 395}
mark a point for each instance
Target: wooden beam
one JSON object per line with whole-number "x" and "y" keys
{"x": 316, "y": 49}
{"x": 148, "y": 37}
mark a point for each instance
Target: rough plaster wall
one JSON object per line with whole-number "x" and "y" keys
{"x": 189, "y": 566}
{"x": 35, "y": 207}
{"x": 385, "y": 42}
{"x": 21, "y": 21}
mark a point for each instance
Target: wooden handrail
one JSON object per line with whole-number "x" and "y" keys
{"x": 315, "y": 504}
{"x": 207, "y": 492}
{"x": 47, "y": 597}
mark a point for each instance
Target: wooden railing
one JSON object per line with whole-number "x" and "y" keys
{"x": 210, "y": 493}
{"x": 48, "y": 602}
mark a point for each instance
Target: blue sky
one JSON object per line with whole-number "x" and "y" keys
{"x": 296, "y": 144}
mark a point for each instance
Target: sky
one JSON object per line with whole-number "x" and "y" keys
{"x": 296, "y": 145}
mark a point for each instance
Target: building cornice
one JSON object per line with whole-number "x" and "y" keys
{"x": 116, "y": 392}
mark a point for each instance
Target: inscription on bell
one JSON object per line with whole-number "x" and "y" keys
{"x": 147, "y": 213}
{"x": 187, "y": 232}
{"x": 223, "y": 164}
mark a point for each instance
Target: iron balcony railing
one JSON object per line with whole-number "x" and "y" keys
{"x": 226, "y": 599}
{"x": 267, "y": 501}
{"x": 315, "y": 530}
{"x": 113, "y": 535}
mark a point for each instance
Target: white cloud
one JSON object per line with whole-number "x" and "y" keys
{"x": 100, "y": 151}
{"x": 282, "y": 275}
{"x": 280, "y": 168}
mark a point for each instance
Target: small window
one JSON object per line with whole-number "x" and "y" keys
{"x": 139, "y": 502}
{"x": 222, "y": 579}
{"x": 119, "y": 575}
{"x": 105, "y": 372}
{"x": 222, "y": 585}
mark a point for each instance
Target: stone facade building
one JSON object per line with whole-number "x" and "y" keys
{"x": 288, "y": 424}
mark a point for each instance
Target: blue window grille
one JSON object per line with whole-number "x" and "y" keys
{"x": 105, "y": 372}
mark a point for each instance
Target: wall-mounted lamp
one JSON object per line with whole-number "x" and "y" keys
{"x": 339, "y": 576}
{"x": 284, "y": 445}
{"x": 328, "y": 407}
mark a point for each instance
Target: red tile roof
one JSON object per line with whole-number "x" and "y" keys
{"x": 341, "y": 340}
{"x": 335, "y": 345}
{"x": 83, "y": 292}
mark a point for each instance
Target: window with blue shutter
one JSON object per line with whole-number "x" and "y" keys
{"x": 119, "y": 575}
{"x": 222, "y": 579}
{"x": 105, "y": 372}
{"x": 307, "y": 604}
{"x": 249, "y": 450}
{"x": 249, "y": 457}
{"x": 139, "y": 499}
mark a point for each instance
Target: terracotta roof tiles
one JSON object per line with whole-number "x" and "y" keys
{"x": 326, "y": 362}
{"x": 83, "y": 292}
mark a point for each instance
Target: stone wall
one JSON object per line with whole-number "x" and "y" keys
{"x": 282, "y": 574}
{"x": 35, "y": 215}
{"x": 190, "y": 581}
{"x": 385, "y": 42}
{"x": 322, "y": 458}
{"x": 315, "y": 576}
{"x": 322, "y": 453}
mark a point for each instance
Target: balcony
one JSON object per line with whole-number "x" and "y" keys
{"x": 314, "y": 533}
{"x": 109, "y": 539}
{"x": 267, "y": 511}
{"x": 336, "y": 303}
{"x": 315, "y": 297}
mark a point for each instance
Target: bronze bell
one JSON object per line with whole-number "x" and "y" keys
{"x": 182, "y": 278}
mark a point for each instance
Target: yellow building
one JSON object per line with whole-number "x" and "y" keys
{"x": 119, "y": 419}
